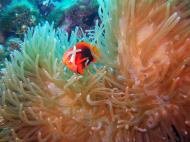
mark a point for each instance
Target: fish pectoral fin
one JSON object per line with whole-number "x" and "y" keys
{"x": 82, "y": 60}
{"x": 86, "y": 62}
{"x": 72, "y": 67}
{"x": 80, "y": 69}
{"x": 94, "y": 60}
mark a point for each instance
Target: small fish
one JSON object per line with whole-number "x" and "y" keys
{"x": 78, "y": 57}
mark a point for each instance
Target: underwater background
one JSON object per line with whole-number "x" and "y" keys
{"x": 16, "y": 16}
{"x": 137, "y": 90}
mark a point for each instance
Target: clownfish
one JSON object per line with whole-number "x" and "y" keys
{"x": 79, "y": 57}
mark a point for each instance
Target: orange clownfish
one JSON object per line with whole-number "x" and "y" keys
{"x": 78, "y": 57}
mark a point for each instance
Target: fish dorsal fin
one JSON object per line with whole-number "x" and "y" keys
{"x": 95, "y": 51}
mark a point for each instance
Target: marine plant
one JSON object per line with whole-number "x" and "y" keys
{"x": 138, "y": 92}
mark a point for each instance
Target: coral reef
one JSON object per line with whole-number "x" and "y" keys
{"x": 138, "y": 92}
{"x": 69, "y": 14}
{"x": 16, "y": 17}
{"x": 7, "y": 49}
{"x": 4, "y": 3}
{"x": 3, "y": 54}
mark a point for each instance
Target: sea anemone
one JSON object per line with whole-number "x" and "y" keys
{"x": 138, "y": 91}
